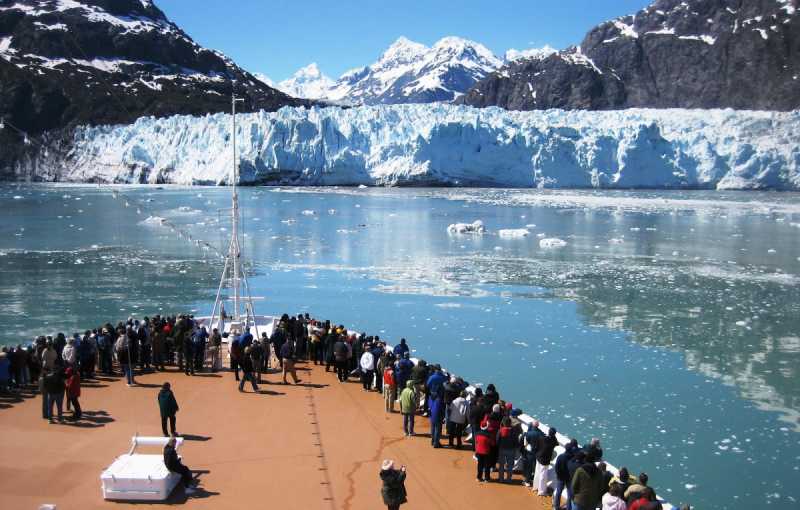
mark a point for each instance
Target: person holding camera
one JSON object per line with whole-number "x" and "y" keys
{"x": 394, "y": 485}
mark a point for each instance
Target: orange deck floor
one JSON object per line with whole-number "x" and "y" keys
{"x": 315, "y": 445}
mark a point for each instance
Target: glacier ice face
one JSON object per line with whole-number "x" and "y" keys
{"x": 437, "y": 144}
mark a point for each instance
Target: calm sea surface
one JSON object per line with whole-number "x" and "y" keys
{"x": 669, "y": 324}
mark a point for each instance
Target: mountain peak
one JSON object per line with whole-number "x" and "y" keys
{"x": 308, "y": 82}
{"x": 403, "y": 48}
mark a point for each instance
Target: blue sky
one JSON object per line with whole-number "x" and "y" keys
{"x": 277, "y": 37}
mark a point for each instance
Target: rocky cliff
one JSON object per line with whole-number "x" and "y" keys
{"x": 741, "y": 54}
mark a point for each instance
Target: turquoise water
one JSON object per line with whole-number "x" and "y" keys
{"x": 669, "y": 324}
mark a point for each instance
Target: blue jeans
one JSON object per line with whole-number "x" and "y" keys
{"x": 408, "y": 423}
{"x": 528, "y": 464}
{"x": 58, "y": 400}
{"x": 248, "y": 376}
{"x": 128, "y": 371}
{"x": 559, "y": 488}
{"x": 506, "y": 461}
{"x": 436, "y": 431}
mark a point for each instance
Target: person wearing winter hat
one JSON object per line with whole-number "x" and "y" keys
{"x": 73, "y": 385}
{"x": 167, "y": 406}
{"x": 393, "y": 490}
{"x": 484, "y": 442}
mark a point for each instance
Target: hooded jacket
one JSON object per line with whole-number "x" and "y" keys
{"x": 367, "y": 361}
{"x": 408, "y": 399}
{"x": 167, "y": 403}
{"x": 587, "y": 486}
{"x": 73, "y": 383}
{"x": 562, "y": 471}
{"x": 458, "y": 410}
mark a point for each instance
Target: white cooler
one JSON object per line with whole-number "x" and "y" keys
{"x": 140, "y": 477}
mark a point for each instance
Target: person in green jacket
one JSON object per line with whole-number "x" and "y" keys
{"x": 168, "y": 407}
{"x": 587, "y": 487}
{"x": 408, "y": 406}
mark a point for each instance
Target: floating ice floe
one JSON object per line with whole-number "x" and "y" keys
{"x": 616, "y": 240}
{"x": 513, "y": 232}
{"x": 308, "y": 212}
{"x": 552, "y": 242}
{"x": 18, "y": 197}
{"x": 154, "y": 221}
{"x": 475, "y": 227}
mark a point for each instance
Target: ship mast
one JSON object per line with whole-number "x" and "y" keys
{"x": 233, "y": 263}
{"x": 234, "y": 248}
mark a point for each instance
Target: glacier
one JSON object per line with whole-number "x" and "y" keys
{"x": 442, "y": 144}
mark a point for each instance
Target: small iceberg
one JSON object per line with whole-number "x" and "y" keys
{"x": 513, "y": 233}
{"x": 308, "y": 212}
{"x": 552, "y": 242}
{"x": 475, "y": 227}
{"x": 156, "y": 221}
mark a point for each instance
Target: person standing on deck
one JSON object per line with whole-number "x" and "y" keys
{"x": 401, "y": 349}
{"x": 530, "y": 441}
{"x": 394, "y": 487}
{"x": 167, "y": 407}
{"x": 367, "y": 363}
{"x": 408, "y": 407}
{"x": 435, "y": 391}
{"x": 257, "y": 355}
{"x": 188, "y": 353}
{"x": 54, "y": 386}
{"x": 247, "y": 371}
{"x": 484, "y": 443}
{"x": 277, "y": 340}
{"x": 457, "y": 419}
{"x": 123, "y": 350}
{"x": 70, "y": 353}
{"x": 199, "y": 346}
{"x": 587, "y": 487}
{"x": 545, "y": 446}
{"x": 389, "y": 388}
{"x": 236, "y": 356}
{"x": 287, "y": 361}
{"x": 340, "y": 354}
{"x": 73, "y": 387}
{"x": 265, "y": 362}
{"x": 507, "y": 446}
{"x": 215, "y": 346}
{"x": 402, "y": 370}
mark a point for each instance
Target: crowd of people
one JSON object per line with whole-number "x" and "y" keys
{"x": 463, "y": 415}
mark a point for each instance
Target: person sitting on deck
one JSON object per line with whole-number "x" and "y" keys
{"x": 173, "y": 463}
{"x": 394, "y": 488}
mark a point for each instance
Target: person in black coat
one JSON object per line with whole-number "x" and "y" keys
{"x": 563, "y": 475}
{"x": 247, "y": 367}
{"x": 173, "y": 463}
{"x": 168, "y": 406}
{"x": 593, "y": 451}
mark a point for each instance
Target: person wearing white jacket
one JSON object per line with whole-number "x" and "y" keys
{"x": 70, "y": 354}
{"x": 612, "y": 500}
{"x": 367, "y": 363}
{"x": 457, "y": 419}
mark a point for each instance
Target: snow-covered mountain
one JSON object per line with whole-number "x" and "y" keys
{"x": 534, "y": 53}
{"x": 407, "y": 72}
{"x": 440, "y": 144}
{"x": 64, "y": 62}
{"x": 742, "y": 54}
{"x": 308, "y": 82}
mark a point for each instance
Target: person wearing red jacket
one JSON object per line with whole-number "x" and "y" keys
{"x": 484, "y": 442}
{"x": 74, "y": 392}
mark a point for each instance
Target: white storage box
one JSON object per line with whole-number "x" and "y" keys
{"x": 140, "y": 477}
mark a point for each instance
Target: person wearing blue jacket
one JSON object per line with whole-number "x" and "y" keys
{"x": 435, "y": 387}
{"x": 401, "y": 349}
{"x": 403, "y": 370}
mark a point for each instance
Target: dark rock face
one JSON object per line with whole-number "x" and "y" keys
{"x": 109, "y": 61}
{"x": 741, "y": 54}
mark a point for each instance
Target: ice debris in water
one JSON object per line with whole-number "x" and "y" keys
{"x": 616, "y": 240}
{"x": 552, "y": 242}
{"x": 154, "y": 220}
{"x": 17, "y": 197}
{"x": 475, "y": 227}
{"x": 308, "y": 212}
{"x": 513, "y": 232}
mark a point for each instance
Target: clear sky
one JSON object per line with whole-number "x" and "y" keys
{"x": 277, "y": 37}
